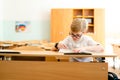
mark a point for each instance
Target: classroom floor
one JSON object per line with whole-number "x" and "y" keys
{"x": 109, "y": 48}
{"x": 117, "y": 66}
{"x": 117, "y": 71}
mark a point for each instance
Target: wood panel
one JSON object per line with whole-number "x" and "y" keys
{"x": 99, "y": 25}
{"x": 60, "y": 23}
{"x": 33, "y": 70}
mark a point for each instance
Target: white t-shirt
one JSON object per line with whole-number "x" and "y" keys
{"x": 84, "y": 41}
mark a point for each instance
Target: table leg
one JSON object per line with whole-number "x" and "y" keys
{"x": 119, "y": 62}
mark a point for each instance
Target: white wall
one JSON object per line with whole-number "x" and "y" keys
{"x": 38, "y": 12}
{"x": 112, "y": 21}
{"x": 38, "y": 9}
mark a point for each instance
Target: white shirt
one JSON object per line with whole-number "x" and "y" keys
{"x": 82, "y": 42}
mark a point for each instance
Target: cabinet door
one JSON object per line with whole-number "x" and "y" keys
{"x": 99, "y": 26}
{"x": 60, "y": 23}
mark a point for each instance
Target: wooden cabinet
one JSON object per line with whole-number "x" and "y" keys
{"x": 62, "y": 18}
{"x": 88, "y": 14}
{"x": 60, "y": 23}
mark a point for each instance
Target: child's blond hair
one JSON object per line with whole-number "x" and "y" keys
{"x": 79, "y": 24}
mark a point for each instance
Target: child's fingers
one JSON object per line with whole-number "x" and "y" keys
{"x": 64, "y": 46}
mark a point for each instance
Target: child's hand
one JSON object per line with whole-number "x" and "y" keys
{"x": 78, "y": 50}
{"x": 62, "y": 46}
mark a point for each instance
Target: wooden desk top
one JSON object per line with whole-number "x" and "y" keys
{"x": 53, "y": 53}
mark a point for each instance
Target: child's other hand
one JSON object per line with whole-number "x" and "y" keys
{"x": 78, "y": 50}
{"x": 62, "y": 46}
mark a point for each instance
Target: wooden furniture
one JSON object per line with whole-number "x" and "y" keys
{"x": 28, "y": 58}
{"x": 44, "y": 70}
{"x": 60, "y": 22}
{"x": 6, "y": 45}
{"x": 51, "y": 54}
{"x": 29, "y": 48}
{"x": 116, "y": 48}
{"x": 54, "y": 56}
{"x": 43, "y": 47}
{"x": 62, "y": 18}
{"x": 34, "y": 70}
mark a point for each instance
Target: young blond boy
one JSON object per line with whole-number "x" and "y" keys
{"x": 77, "y": 41}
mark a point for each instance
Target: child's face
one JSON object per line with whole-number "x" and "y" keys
{"x": 76, "y": 35}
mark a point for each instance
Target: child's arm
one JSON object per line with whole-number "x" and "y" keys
{"x": 55, "y": 48}
{"x": 61, "y": 46}
{"x": 97, "y": 48}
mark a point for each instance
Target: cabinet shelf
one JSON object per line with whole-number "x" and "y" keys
{"x": 88, "y": 14}
{"x": 77, "y": 12}
{"x": 90, "y": 29}
{"x": 77, "y": 17}
{"x": 90, "y": 25}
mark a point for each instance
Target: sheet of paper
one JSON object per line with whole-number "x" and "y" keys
{"x": 65, "y": 51}
{"x": 68, "y": 51}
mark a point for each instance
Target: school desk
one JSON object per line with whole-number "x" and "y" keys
{"x": 52, "y": 70}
